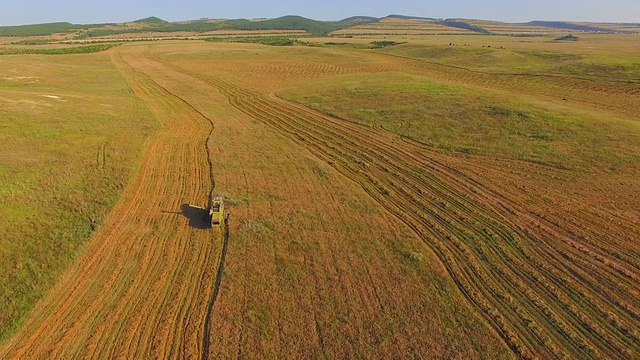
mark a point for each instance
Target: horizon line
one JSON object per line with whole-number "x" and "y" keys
{"x": 348, "y": 17}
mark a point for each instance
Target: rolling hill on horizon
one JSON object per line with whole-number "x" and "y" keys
{"x": 288, "y": 22}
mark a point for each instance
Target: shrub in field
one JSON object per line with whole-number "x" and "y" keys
{"x": 264, "y": 40}
{"x": 385, "y": 43}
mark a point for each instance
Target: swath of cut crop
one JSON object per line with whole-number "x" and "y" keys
{"x": 234, "y": 329}
{"x": 206, "y": 329}
{"x": 142, "y": 286}
{"x": 549, "y": 286}
{"x": 541, "y": 287}
{"x": 224, "y": 229}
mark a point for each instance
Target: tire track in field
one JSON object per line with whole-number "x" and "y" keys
{"x": 225, "y": 232}
{"x": 512, "y": 306}
{"x": 206, "y": 328}
{"x": 224, "y": 229}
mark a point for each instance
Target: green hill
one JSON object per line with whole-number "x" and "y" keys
{"x": 356, "y": 20}
{"x": 462, "y": 25}
{"x": 289, "y": 22}
{"x": 395, "y": 16}
{"x": 155, "y": 24}
{"x": 151, "y": 20}
{"x": 42, "y": 29}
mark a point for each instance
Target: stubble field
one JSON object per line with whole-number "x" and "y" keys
{"x": 425, "y": 200}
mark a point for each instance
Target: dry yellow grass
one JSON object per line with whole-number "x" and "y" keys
{"x": 348, "y": 239}
{"x": 314, "y": 267}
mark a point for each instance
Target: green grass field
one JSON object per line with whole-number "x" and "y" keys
{"x": 71, "y": 135}
{"x": 469, "y": 119}
{"x": 611, "y": 56}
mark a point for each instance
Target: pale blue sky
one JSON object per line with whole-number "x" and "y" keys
{"x": 15, "y": 12}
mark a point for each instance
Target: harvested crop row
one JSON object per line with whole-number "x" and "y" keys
{"x": 520, "y": 269}
{"x": 141, "y": 288}
{"x": 343, "y": 288}
{"x": 314, "y": 267}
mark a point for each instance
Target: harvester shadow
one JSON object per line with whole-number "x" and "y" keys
{"x": 199, "y": 218}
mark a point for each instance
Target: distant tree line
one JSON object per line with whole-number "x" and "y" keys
{"x": 58, "y": 51}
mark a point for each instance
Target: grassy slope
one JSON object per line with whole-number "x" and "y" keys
{"x": 455, "y": 23}
{"x": 57, "y": 51}
{"x": 289, "y": 22}
{"x": 463, "y": 119}
{"x": 593, "y": 56}
{"x": 580, "y": 138}
{"x": 569, "y": 26}
{"x": 55, "y": 187}
{"x": 42, "y": 29}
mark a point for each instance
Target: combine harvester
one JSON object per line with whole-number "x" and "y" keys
{"x": 217, "y": 216}
{"x": 214, "y": 215}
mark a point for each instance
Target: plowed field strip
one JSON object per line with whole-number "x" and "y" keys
{"x": 144, "y": 271}
{"x": 203, "y": 346}
{"x": 528, "y": 276}
{"x": 214, "y": 293}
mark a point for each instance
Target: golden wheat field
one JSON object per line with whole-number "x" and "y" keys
{"x": 453, "y": 196}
